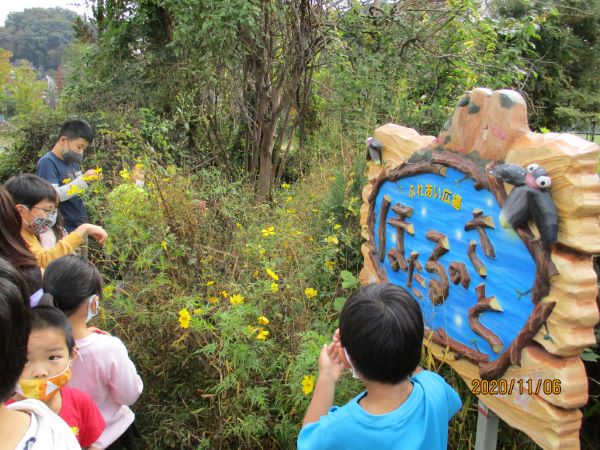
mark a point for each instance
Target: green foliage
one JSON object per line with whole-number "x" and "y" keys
{"x": 38, "y": 35}
{"x": 188, "y": 286}
{"x": 226, "y": 386}
{"x": 560, "y": 48}
{"x": 21, "y": 93}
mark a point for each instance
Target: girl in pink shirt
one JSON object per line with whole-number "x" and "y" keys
{"x": 105, "y": 371}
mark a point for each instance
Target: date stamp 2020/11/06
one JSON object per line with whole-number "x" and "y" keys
{"x": 502, "y": 386}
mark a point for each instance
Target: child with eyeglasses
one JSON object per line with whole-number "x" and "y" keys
{"x": 36, "y": 200}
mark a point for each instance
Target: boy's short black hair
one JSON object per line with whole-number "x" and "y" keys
{"x": 43, "y": 317}
{"x": 381, "y": 328}
{"x": 14, "y": 328}
{"x": 76, "y": 129}
{"x": 29, "y": 189}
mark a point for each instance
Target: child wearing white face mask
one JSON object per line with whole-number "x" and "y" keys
{"x": 105, "y": 371}
{"x": 403, "y": 407}
{"x": 50, "y": 354}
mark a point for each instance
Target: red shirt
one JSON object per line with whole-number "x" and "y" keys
{"x": 81, "y": 414}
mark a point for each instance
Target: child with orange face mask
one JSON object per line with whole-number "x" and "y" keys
{"x": 50, "y": 351}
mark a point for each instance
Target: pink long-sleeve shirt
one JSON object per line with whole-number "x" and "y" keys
{"x": 107, "y": 374}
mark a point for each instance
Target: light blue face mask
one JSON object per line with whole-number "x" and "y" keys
{"x": 91, "y": 314}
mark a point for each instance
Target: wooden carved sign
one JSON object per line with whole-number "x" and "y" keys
{"x": 492, "y": 228}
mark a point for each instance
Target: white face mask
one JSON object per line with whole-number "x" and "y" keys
{"x": 352, "y": 369}
{"x": 91, "y": 314}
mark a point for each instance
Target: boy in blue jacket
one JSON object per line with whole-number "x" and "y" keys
{"x": 61, "y": 168}
{"x": 403, "y": 407}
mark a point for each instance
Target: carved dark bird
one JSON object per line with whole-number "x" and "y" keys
{"x": 374, "y": 150}
{"x": 529, "y": 199}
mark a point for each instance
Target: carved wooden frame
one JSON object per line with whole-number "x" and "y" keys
{"x": 492, "y": 126}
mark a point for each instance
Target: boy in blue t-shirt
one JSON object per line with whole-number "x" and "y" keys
{"x": 404, "y": 407}
{"x": 60, "y": 167}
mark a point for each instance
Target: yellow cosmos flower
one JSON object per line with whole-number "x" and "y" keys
{"x": 74, "y": 190}
{"x": 289, "y": 198}
{"x": 184, "y": 318}
{"x": 98, "y": 169}
{"x": 337, "y": 226}
{"x": 210, "y": 282}
{"x": 163, "y": 244}
{"x": 333, "y": 240}
{"x": 263, "y": 320}
{"x": 262, "y": 335}
{"x": 213, "y": 300}
{"x": 285, "y": 185}
{"x": 224, "y": 294}
{"x": 262, "y": 251}
{"x": 291, "y": 211}
{"x": 272, "y": 274}
{"x": 238, "y": 225}
{"x": 237, "y": 299}
{"x": 108, "y": 290}
{"x": 310, "y": 292}
{"x": 125, "y": 174}
{"x": 308, "y": 384}
{"x": 67, "y": 181}
{"x": 269, "y": 231}
{"x": 274, "y": 287}
{"x": 328, "y": 265}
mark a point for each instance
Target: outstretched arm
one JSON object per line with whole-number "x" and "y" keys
{"x": 330, "y": 367}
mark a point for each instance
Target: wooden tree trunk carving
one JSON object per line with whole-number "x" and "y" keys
{"x": 487, "y": 128}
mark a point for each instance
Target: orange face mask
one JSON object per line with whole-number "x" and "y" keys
{"x": 43, "y": 388}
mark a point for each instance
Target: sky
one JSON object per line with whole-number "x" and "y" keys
{"x": 8, "y": 6}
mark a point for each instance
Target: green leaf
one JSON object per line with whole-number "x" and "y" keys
{"x": 338, "y": 303}
{"x": 589, "y": 355}
{"x": 349, "y": 281}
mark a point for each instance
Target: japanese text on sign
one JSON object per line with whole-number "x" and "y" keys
{"x": 434, "y": 192}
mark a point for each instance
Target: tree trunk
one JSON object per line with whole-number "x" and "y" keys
{"x": 265, "y": 170}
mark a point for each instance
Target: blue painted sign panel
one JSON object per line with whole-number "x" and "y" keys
{"x": 445, "y": 204}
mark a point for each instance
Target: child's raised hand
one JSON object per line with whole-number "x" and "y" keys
{"x": 92, "y": 175}
{"x": 330, "y": 363}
